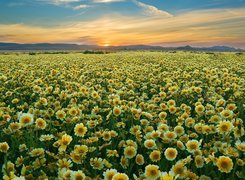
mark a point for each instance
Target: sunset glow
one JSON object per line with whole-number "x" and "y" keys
{"x": 124, "y": 22}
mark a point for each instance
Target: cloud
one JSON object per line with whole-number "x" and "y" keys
{"x": 82, "y": 6}
{"x": 58, "y": 2}
{"x": 66, "y": 3}
{"x": 152, "y": 10}
{"x": 88, "y": 40}
{"x": 106, "y": 1}
{"x": 198, "y": 28}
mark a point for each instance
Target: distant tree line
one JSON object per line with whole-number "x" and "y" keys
{"x": 95, "y": 52}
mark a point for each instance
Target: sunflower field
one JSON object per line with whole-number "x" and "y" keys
{"x": 123, "y": 115}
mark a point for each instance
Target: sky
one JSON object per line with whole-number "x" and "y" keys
{"x": 124, "y": 22}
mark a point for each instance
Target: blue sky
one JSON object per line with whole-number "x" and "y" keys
{"x": 124, "y": 18}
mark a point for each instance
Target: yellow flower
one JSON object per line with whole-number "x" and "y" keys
{"x": 166, "y": 176}
{"x": 152, "y": 171}
{"x": 155, "y": 155}
{"x": 163, "y": 106}
{"x": 65, "y": 174}
{"x": 112, "y": 153}
{"x": 117, "y": 111}
{"x": 60, "y": 114}
{"x": 220, "y": 102}
{"x": 225, "y": 127}
{"x": 124, "y": 162}
{"x": 76, "y": 157}
{"x": 25, "y": 119}
{"x": 238, "y": 132}
{"x": 36, "y": 89}
{"x": 139, "y": 159}
{"x": 80, "y": 130}
{"x": 64, "y": 163}
{"x": 40, "y": 123}
{"x": 191, "y": 175}
{"x": 162, "y": 127}
{"x": 226, "y": 114}
{"x": 144, "y": 122}
{"x": 106, "y": 136}
{"x": 171, "y": 154}
{"x": 38, "y": 162}
{"x": 120, "y": 176}
{"x": 47, "y": 137}
{"x": 180, "y": 145}
{"x": 4, "y": 147}
{"x": 81, "y": 149}
{"x": 97, "y": 163}
{"x": 73, "y": 111}
{"x": 109, "y": 173}
{"x": 8, "y": 167}
{"x": 224, "y": 164}
{"x": 199, "y": 161}
{"x": 189, "y": 122}
{"x": 199, "y": 109}
{"x": 240, "y": 162}
{"x": 15, "y": 126}
{"x": 19, "y": 161}
{"x": 78, "y": 175}
{"x": 15, "y": 101}
{"x": 240, "y": 145}
{"x": 162, "y": 115}
{"x": 179, "y": 169}
{"x": 171, "y": 102}
{"x": 22, "y": 147}
{"x": 150, "y": 144}
{"x": 130, "y": 152}
{"x": 162, "y": 94}
{"x": 37, "y": 152}
{"x": 135, "y": 129}
{"x": 113, "y": 133}
{"x": 170, "y": 135}
{"x": 179, "y": 130}
{"x": 64, "y": 141}
{"x": 192, "y": 145}
{"x": 172, "y": 109}
{"x": 231, "y": 107}
{"x": 43, "y": 101}
{"x": 95, "y": 95}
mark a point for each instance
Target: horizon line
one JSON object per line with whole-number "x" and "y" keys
{"x": 151, "y": 45}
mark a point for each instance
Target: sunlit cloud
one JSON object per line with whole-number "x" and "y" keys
{"x": 198, "y": 28}
{"x": 151, "y": 10}
{"x": 82, "y": 6}
{"x": 106, "y": 1}
{"x": 58, "y": 2}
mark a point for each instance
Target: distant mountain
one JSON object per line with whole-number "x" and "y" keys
{"x": 63, "y": 47}
{"x": 212, "y": 48}
{"x": 45, "y": 46}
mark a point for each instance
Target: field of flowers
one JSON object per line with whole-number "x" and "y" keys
{"x": 125, "y": 115}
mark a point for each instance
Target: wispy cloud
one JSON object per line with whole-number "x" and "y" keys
{"x": 67, "y": 3}
{"x": 106, "y": 1}
{"x": 82, "y": 6}
{"x": 152, "y": 10}
{"x": 58, "y": 2}
{"x": 206, "y": 27}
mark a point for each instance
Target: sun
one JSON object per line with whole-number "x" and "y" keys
{"x": 106, "y": 45}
